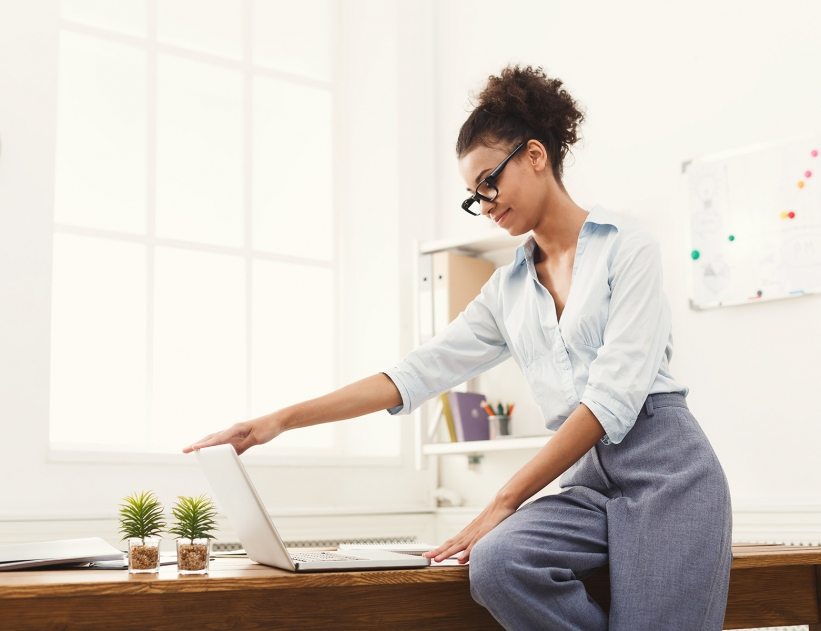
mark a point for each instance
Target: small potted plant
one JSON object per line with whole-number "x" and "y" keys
{"x": 194, "y": 523}
{"x": 141, "y": 521}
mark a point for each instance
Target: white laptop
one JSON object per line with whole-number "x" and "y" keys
{"x": 239, "y": 499}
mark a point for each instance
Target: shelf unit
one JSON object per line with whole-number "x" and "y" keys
{"x": 500, "y": 248}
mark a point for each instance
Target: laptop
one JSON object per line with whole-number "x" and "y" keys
{"x": 239, "y": 499}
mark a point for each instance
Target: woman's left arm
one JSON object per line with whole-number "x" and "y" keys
{"x": 573, "y": 439}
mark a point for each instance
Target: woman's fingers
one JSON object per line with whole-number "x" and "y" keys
{"x": 465, "y": 556}
{"x": 449, "y": 552}
{"x": 235, "y": 434}
{"x": 214, "y": 439}
{"x": 197, "y": 444}
{"x": 447, "y": 549}
{"x": 463, "y": 542}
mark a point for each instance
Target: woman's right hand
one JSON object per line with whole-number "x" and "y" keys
{"x": 243, "y": 435}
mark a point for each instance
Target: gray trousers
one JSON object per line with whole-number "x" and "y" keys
{"x": 656, "y": 507}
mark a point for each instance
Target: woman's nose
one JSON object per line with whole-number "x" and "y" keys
{"x": 486, "y": 207}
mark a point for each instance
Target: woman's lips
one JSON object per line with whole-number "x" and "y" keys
{"x": 502, "y": 217}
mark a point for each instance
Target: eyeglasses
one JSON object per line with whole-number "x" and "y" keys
{"x": 487, "y": 190}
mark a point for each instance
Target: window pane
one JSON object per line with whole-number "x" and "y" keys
{"x": 199, "y": 345}
{"x": 98, "y": 343}
{"x": 296, "y": 37}
{"x": 211, "y": 26}
{"x": 293, "y": 355}
{"x": 125, "y": 16}
{"x": 292, "y": 200}
{"x": 199, "y": 152}
{"x": 101, "y": 135}
{"x": 377, "y": 435}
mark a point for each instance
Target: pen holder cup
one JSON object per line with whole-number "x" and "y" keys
{"x": 193, "y": 555}
{"x": 499, "y": 426}
{"x": 144, "y": 555}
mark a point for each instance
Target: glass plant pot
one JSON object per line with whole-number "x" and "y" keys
{"x": 193, "y": 555}
{"x": 144, "y": 555}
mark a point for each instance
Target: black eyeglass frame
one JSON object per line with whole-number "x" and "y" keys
{"x": 490, "y": 181}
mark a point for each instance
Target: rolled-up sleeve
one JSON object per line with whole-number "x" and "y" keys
{"x": 634, "y": 341}
{"x": 468, "y": 346}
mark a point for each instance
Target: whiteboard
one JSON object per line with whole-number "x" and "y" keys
{"x": 755, "y": 216}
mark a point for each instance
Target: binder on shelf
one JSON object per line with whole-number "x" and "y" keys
{"x": 425, "y": 297}
{"x": 447, "y": 413}
{"x": 469, "y": 417}
{"x": 457, "y": 279}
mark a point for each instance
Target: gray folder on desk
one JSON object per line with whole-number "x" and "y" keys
{"x": 18, "y": 556}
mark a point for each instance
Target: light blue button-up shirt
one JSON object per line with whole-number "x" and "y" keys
{"x": 609, "y": 350}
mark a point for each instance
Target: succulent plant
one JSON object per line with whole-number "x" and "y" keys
{"x": 194, "y": 518}
{"x": 141, "y": 516}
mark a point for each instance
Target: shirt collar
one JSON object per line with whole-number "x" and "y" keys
{"x": 596, "y": 216}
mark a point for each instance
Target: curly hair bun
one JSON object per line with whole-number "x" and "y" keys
{"x": 522, "y": 103}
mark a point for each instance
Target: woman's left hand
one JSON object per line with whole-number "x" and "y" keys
{"x": 494, "y": 514}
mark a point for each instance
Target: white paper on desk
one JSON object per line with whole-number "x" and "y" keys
{"x": 229, "y": 554}
{"x": 403, "y": 548}
{"x": 18, "y": 556}
{"x": 122, "y": 563}
{"x": 417, "y": 549}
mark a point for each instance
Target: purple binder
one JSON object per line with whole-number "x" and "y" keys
{"x": 468, "y": 416}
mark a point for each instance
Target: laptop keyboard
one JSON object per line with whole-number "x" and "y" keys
{"x": 311, "y": 557}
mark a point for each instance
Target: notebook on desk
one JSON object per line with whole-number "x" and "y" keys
{"x": 61, "y": 552}
{"x": 239, "y": 499}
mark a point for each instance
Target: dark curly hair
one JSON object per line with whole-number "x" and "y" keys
{"x": 520, "y": 104}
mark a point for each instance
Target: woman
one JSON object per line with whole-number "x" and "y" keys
{"x": 582, "y": 311}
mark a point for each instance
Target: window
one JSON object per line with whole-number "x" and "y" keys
{"x": 195, "y": 264}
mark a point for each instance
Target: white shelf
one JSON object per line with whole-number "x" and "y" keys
{"x": 485, "y": 446}
{"x": 493, "y": 241}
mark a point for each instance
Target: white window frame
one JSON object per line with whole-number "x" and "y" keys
{"x": 152, "y": 47}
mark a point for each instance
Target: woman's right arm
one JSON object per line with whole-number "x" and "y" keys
{"x": 469, "y": 345}
{"x": 362, "y": 397}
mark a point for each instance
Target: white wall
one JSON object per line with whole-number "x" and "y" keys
{"x": 662, "y": 83}
{"x": 374, "y": 243}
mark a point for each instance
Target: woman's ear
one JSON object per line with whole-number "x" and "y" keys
{"x": 537, "y": 155}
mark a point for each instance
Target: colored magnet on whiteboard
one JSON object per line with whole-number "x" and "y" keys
{"x": 800, "y": 183}
{"x": 791, "y": 214}
{"x": 807, "y": 174}
{"x": 695, "y": 254}
{"x": 731, "y": 237}
{"x": 814, "y": 153}
{"x": 759, "y": 293}
{"x": 783, "y": 214}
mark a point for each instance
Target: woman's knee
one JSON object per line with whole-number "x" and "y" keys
{"x": 486, "y": 559}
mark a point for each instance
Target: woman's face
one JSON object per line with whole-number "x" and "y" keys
{"x": 521, "y": 184}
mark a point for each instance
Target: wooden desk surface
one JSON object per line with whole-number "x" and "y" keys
{"x": 241, "y": 594}
{"x": 224, "y": 575}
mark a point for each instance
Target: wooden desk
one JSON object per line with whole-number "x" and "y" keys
{"x": 769, "y": 586}
{"x": 238, "y": 594}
